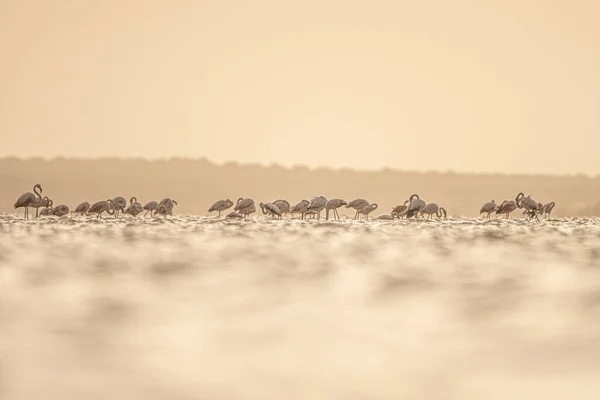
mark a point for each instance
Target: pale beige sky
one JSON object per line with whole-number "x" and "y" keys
{"x": 467, "y": 85}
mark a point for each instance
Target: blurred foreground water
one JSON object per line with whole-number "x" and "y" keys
{"x": 195, "y": 308}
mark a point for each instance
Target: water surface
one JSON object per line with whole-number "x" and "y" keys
{"x": 195, "y": 308}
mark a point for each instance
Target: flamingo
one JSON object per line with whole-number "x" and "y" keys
{"x": 150, "y": 207}
{"x": 134, "y": 207}
{"x": 415, "y": 206}
{"x": 300, "y": 208}
{"x": 385, "y": 217}
{"x": 358, "y": 205}
{"x": 316, "y": 205}
{"x": 82, "y": 208}
{"x": 368, "y": 209}
{"x": 119, "y": 203}
{"x": 165, "y": 207}
{"x": 48, "y": 209}
{"x": 334, "y": 204}
{"x": 270, "y": 209}
{"x": 400, "y": 210}
{"x": 283, "y": 205}
{"x": 433, "y": 209}
{"x": 548, "y": 209}
{"x": 220, "y": 206}
{"x": 488, "y": 208}
{"x": 101, "y": 206}
{"x": 234, "y": 215}
{"x": 40, "y": 203}
{"x": 526, "y": 202}
{"x": 507, "y": 207}
{"x": 245, "y": 206}
{"x": 60, "y": 210}
{"x": 27, "y": 200}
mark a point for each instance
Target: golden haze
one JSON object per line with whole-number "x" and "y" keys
{"x": 463, "y": 85}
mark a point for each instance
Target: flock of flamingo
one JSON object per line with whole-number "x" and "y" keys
{"x": 413, "y": 207}
{"x": 111, "y": 206}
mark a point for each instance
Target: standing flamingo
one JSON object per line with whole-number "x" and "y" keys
{"x": 488, "y": 208}
{"x": 26, "y": 200}
{"x": 334, "y": 204}
{"x": 526, "y": 202}
{"x": 220, "y": 206}
{"x": 358, "y": 205}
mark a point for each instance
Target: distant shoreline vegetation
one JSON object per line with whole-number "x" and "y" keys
{"x": 292, "y": 167}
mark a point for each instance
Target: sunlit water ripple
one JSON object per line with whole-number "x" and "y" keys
{"x": 199, "y": 308}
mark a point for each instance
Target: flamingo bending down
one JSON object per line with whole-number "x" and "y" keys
{"x": 165, "y": 207}
{"x": 270, "y": 209}
{"x": 82, "y": 208}
{"x": 358, "y": 205}
{"x": 283, "y": 205}
{"x": 368, "y": 209}
{"x": 334, "y": 204}
{"x": 27, "y": 199}
{"x": 40, "y": 203}
{"x": 400, "y": 210}
{"x": 102, "y": 206}
{"x": 245, "y": 206}
{"x": 488, "y": 208}
{"x": 316, "y": 205}
{"x": 234, "y": 215}
{"x": 548, "y": 209}
{"x": 119, "y": 204}
{"x": 134, "y": 207}
{"x": 300, "y": 208}
{"x": 432, "y": 209}
{"x": 415, "y": 206}
{"x": 60, "y": 210}
{"x": 48, "y": 209}
{"x": 507, "y": 207}
{"x": 221, "y": 206}
{"x": 150, "y": 207}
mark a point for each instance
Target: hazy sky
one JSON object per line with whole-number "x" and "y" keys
{"x": 510, "y": 86}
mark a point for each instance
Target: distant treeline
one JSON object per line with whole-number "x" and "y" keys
{"x": 196, "y": 184}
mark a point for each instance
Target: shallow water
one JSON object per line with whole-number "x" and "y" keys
{"x": 195, "y": 308}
